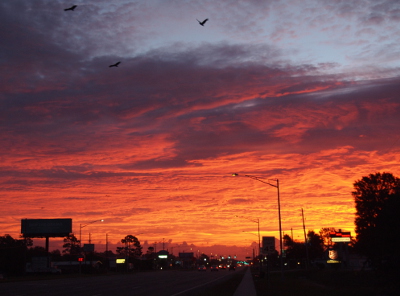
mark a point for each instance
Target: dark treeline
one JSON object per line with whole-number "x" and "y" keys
{"x": 377, "y": 202}
{"x": 15, "y": 253}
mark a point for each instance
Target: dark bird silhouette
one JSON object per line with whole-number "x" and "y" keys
{"x": 203, "y": 22}
{"x": 115, "y": 65}
{"x": 71, "y": 8}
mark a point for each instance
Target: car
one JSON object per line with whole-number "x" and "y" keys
{"x": 222, "y": 266}
{"x": 202, "y": 268}
{"x": 214, "y": 267}
{"x": 232, "y": 267}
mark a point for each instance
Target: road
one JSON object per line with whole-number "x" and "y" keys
{"x": 160, "y": 283}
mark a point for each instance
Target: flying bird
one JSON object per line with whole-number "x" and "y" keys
{"x": 203, "y": 22}
{"x": 71, "y": 8}
{"x": 115, "y": 65}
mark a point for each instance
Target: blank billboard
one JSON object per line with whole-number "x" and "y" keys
{"x": 46, "y": 227}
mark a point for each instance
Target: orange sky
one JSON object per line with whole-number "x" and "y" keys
{"x": 196, "y": 204}
{"x": 150, "y": 146}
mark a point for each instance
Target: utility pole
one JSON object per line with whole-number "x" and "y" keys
{"x": 106, "y": 244}
{"x": 305, "y": 238}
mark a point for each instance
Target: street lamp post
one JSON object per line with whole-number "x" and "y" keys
{"x": 82, "y": 226}
{"x": 279, "y": 213}
{"x": 258, "y": 228}
{"x": 254, "y": 255}
{"x": 80, "y": 239}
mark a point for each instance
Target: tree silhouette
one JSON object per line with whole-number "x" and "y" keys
{"x": 297, "y": 250}
{"x": 377, "y": 201}
{"x": 150, "y": 254}
{"x": 37, "y": 251}
{"x": 12, "y": 254}
{"x": 315, "y": 245}
{"x": 132, "y": 246}
{"x": 324, "y": 233}
{"x": 204, "y": 258}
{"x": 287, "y": 241}
{"x": 71, "y": 245}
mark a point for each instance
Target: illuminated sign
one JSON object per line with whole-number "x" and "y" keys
{"x": 341, "y": 239}
{"x": 162, "y": 254}
{"x": 119, "y": 261}
{"x": 333, "y": 254}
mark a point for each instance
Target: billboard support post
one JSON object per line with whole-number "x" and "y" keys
{"x": 47, "y": 251}
{"x": 46, "y": 228}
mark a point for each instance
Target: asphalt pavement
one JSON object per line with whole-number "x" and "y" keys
{"x": 161, "y": 283}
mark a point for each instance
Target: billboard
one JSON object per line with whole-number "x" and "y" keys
{"x": 46, "y": 227}
{"x": 88, "y": 247}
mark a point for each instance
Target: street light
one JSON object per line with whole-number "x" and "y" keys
{"x": 279, "y": 211}
{"x": 254, "y": 256}
{"x": 82, "y": 226}
{"x": 258, "y": 223}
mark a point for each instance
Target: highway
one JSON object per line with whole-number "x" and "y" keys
{"x": 160, "y": 283}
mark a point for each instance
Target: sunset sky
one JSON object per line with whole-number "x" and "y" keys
{"x": 307, "y": 92}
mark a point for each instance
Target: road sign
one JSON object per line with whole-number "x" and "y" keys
{"x": 268, "y": 245}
